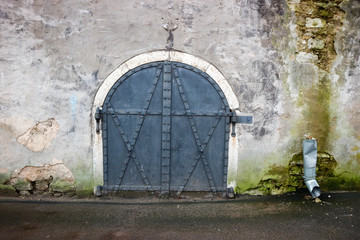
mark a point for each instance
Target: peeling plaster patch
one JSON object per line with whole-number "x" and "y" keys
{"x": 303, "y": 57}
{"x": 39, "y": 137}
{"x": 37, "y": 173}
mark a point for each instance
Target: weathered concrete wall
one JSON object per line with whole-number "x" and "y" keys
{"x": 294, "y": 65}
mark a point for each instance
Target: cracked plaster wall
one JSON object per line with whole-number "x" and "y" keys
{"x": 55, "y": 54}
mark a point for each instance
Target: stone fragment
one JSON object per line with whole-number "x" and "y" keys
{"x": 97, "y": 191}
{"x": 254, "y": 192}
{"x": 39, "y": 137}
{"x": 42, "y": 185}
{"x": 275, "y": 191}
{"x": 323, "y": 155}
{"x": 24, "y": 193}
{"x": 70, "y": 193}
{"x": 38, "y": 192}
{"x": 23, "y": 185}
{"x": 307, "y": 197}
{"x": 315, "y": 23}
{"x": 303, "y": 57}
{"x": 317, "y": 200}
{"x": 314, "y": 43}
{"x": 57, "y": 194}
{"x": 296, "y": 169}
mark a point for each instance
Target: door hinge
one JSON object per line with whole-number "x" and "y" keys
{"x": 98, "y": 114}
{"x": 239, "y": 119}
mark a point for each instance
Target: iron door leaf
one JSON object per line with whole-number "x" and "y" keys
{"x": 164, "y": 129}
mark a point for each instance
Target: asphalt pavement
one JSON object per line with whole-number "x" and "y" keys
{"x": 292, "y": 216}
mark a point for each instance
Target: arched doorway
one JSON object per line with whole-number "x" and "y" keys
{"x": 165, "y": 128}
{"x": 180, "y": 155}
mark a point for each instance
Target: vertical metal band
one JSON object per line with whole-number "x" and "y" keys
{"x": 105, "y": 149}
{"x": 226, "y": 152}
{"x": 166, "y": 123}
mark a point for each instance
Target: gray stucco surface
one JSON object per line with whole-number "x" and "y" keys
{"x": 54, "y": 55}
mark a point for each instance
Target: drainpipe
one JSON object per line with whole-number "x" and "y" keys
{"x": 310, "y": 155}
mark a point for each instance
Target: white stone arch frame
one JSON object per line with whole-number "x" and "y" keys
{"x": 155, "y": 56}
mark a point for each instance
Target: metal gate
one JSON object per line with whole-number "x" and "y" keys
{"x": 165, "y": 128}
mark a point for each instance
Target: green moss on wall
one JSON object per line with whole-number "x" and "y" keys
{"x": 355, "y": 148}
{"x": 283, "y": 179}
{"x": 317, "y": 111}
{"x": 246, "y": 182}
{"x": 344, "y": 181}
{"x": 63, "y": 187}
{"x": 84, "y": 186}
{"x": 83, "y": 173}
{"x": 85, "y": 189}
{"x": 356, "y": 158}
{"x": 85, "y": 192}
{"x": 7, "y": 191}
{"x": 4, "y": 177}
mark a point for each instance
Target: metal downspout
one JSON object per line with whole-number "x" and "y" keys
{"x": 310, "y": 155}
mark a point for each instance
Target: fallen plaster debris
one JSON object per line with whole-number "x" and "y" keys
{"x": 55, "y": 179}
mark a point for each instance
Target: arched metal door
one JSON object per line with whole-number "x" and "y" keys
{"x": 165, "y": 128}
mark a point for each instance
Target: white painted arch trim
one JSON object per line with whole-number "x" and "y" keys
{"x": 155, "y": 56}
